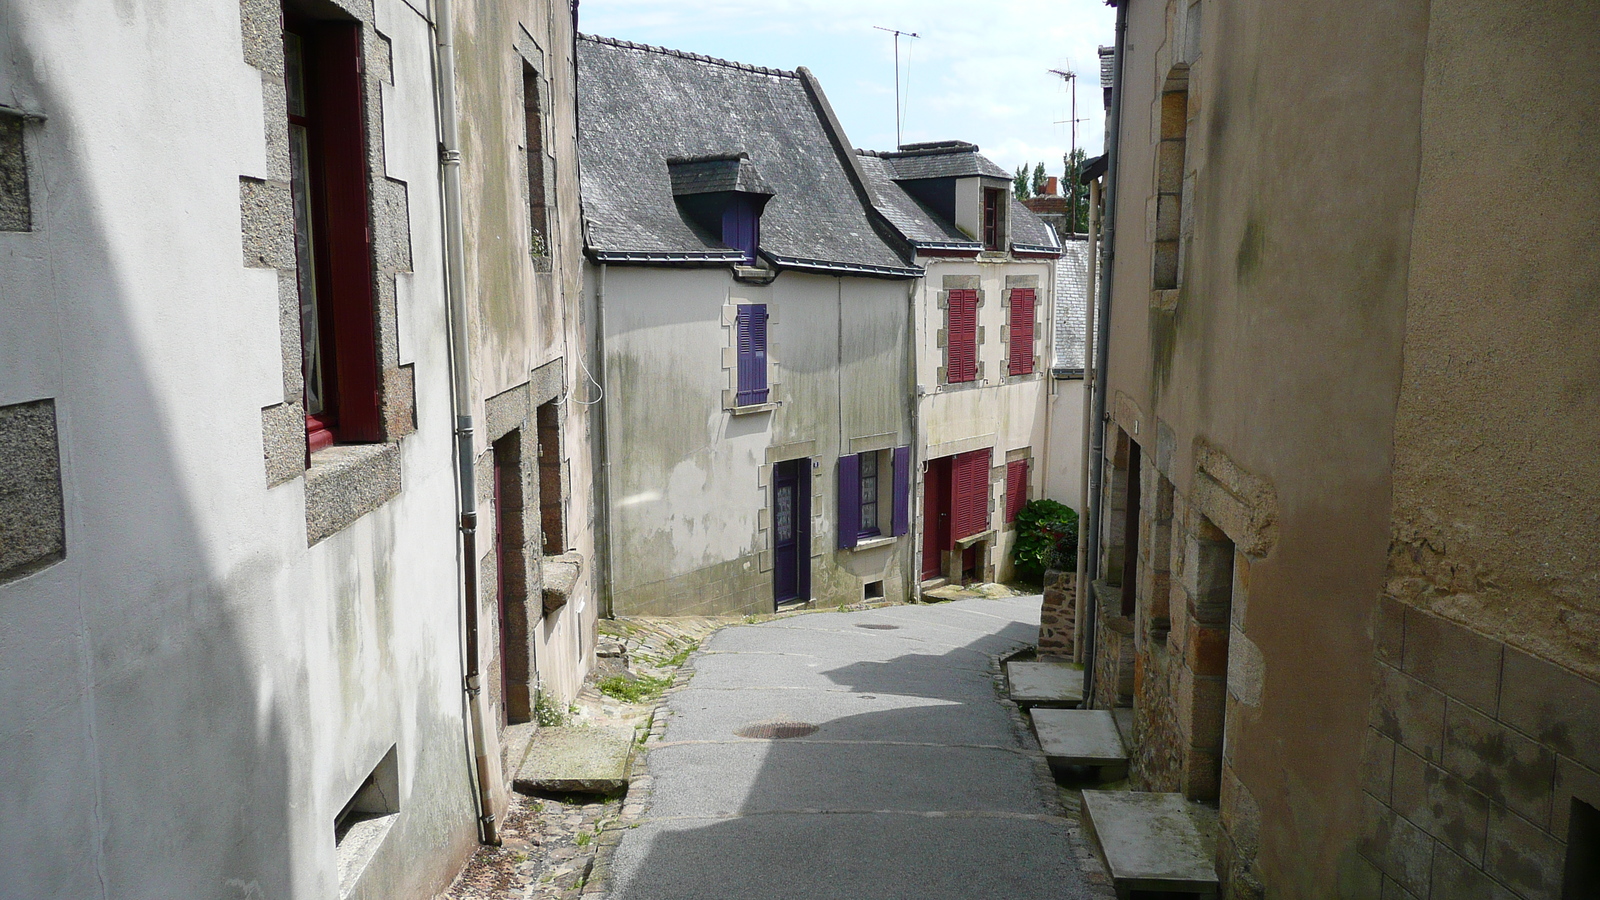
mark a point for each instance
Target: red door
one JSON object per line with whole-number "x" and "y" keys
{"x": 935, "y": 516}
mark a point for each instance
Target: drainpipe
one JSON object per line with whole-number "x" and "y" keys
{"x": 1080, "y": 600}
{"x": 913, "y": 554}
{"x": 1102, "y": 340}
{"x": 601, "y": 451}
{"x": 461, "y": 399}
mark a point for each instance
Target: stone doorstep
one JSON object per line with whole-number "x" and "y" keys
{"x": 1079, "y": 737}
{"x": 1151, "y": 842}
{"x": 1056, "y": 685}
{"x": 577, "y": 760}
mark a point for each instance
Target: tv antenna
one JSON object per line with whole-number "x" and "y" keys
{"x": 1071, "y": 78}
{"x": 897, "y": 110}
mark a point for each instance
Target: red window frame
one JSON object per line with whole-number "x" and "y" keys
{"x": 342, "y": 245}
{"x": 1020, "y": 340}
{"x": 961, "y": 336}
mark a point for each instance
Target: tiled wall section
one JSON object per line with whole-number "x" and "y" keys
{"x": 1475, "y": 753}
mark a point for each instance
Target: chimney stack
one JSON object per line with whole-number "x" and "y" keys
{"x": 1051, "y": 187}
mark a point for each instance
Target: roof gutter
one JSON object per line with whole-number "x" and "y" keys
{"x": 1102, "y": 340}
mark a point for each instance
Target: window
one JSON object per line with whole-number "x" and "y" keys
{"x": 993, "y": 209}
{"x": 1016, "y": 488}
{"x": 533, "y": 126}
{"x": 752, "y": 346}
{"x": 861, "y": 501}
{"x": 1020, "y": 339}
{"x": 869, "y": 495}
{"x": 333, "y": 246}
{"x": 961, "y": 337}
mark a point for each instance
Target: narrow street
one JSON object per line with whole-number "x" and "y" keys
{"x": 851, "y": 755}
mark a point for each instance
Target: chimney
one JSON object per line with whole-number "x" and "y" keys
{"x": 1051, "y": 187}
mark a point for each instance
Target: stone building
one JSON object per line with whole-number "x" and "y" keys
{"x": 241, "y": 656}
{"x": 755, "y": 361}
{"x": 1345, "y": 556}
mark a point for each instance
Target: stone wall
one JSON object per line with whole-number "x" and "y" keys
{"x": 1058, "y": 617}
{"x": 1476, "y": 757}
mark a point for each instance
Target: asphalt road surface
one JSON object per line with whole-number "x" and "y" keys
{"x": 881, "y": 765}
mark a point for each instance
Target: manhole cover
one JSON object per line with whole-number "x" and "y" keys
{"x": 878, "y": 626}
{"x": 775, "y": 730}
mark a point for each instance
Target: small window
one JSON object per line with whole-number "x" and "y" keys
{"x": 333, "y": 248}
{"x": 961, "y": 337}
{"x": 1020, "y": 334}
{"x": 752, "y": 345}
{"x": 1016, "y": 488}
{"x": 533, "y": 128}
{"x": 872, "y": 590}
{"x": 994, "y": 200}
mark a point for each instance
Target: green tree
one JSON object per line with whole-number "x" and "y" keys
{"x": 1038, "y": 179}
{"x": 1019, "y": 182}
{"x": 1074, "y": 166}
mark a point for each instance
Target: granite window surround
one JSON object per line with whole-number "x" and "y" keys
{"x": 345, "y": 481}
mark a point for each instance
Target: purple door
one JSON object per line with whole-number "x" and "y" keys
{"x": 791, "y": 531}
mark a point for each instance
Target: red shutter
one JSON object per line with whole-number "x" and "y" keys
{"x": 1021, "y": 338}
{"x": 1016, "y": 488}
{"x": 970, "y": 508}
{"x": 961, "y": 337}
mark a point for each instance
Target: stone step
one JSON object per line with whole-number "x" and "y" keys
{"x": 1081, "y": 737}
{"x": 576, "y": 760}
{"x": 1151, "y": 843}
{"x": 1057, "y": 685}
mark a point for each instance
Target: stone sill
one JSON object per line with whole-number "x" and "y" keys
{"x": 345, "y": 482}
{"x": 874, "y": 542}
{"x": 558, "y": 576}
{"x": 752, "y": 409}
{"x": 973, "y": 540}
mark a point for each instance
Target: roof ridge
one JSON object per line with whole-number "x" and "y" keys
{"x": 684, "y": 54}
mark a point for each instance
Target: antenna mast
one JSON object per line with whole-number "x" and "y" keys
{"x": 897, "y": 33}
{"x": 1071, "y": 78}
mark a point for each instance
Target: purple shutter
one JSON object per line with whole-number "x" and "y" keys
{"x": 752, "y": 345}
{"x": 849, "y": 501}
{"x": 902, "y": 491}
{"x": 741, "y": 226}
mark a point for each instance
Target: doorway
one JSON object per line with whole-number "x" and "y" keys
{"x": 935, "y": 516}
{"x": 791, "y": 531}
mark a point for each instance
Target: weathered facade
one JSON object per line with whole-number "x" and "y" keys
{"x": 756, "y": 336}
{"x": 233, "y": 649}
{"x": 1348, "y": 581}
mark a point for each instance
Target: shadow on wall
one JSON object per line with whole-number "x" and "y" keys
{"x": 144, "y": 754}
{"x": 931, "y": 805}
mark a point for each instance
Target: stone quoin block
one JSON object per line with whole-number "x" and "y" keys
{"x": 1440, "y": 804}
{"x": 1557, "y": 708}
{"x": 1455, "y": 877}
{"x": 1388, "y": 630}
{"x": 1453, "y": 659}
{"x": 1206, "y": 650}
{"x": 1377, "y": 764}
{"x": 1504, "y": 765}
{"x": 32, "y": 518}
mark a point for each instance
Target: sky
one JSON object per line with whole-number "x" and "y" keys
{"x": 979, "y": 72}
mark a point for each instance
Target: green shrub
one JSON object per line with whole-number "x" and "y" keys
{"x": 1047, "y": 538}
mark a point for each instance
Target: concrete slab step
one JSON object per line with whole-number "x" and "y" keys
{"x": 1057, "y": 685}
{"x": 1080, "y": 737}
{"x": 577, "y": 760}
{"x": 1151, "y": 842}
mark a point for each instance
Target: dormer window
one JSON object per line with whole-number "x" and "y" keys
{"x": 724, "y": 195}
{"x": 993, "y": 212}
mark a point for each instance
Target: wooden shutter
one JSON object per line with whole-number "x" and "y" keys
{"x": 901, "y": 522}
{"x": 752, "y": 345}
{"x": 970, "y": 506}
{"x": 849, "y": 501}
{"x": 961, "y": 337}
{"x": 1021, "y": 339}
{"x": 1016, "y": 488}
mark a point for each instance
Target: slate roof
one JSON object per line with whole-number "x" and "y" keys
{"x": 1072, "y": 306}
{"x": 919, "y": 224}
{"x": 640, "y": 106}
{"x": 714, "y": 175}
